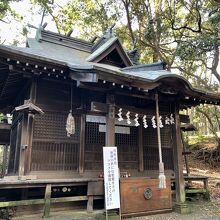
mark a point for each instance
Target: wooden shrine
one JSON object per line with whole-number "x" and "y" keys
{"x": 98, "y": 82}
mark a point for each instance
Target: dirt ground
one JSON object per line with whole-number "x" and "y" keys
{"x": 200, "y": 211}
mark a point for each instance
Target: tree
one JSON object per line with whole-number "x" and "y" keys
{"x": 5, "y": 10}
{"x": 184, "y": 34}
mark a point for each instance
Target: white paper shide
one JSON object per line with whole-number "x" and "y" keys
{"x": 111, "y": 178}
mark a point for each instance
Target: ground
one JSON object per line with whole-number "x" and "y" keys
{"x": 200, "y": 211}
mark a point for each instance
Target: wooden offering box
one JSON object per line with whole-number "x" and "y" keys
{"x": 142, "y": 195}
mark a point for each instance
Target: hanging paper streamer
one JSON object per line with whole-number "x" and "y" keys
{"x": 70, "y": 124}
{"x": 145, "y": 121}
{"x": 160, "y": 122}
{"x": 172, "y": 121}
{"x": 128, "y": 118}
{"x": 153, "y": 122}
{"x": 120, "y": 115}
{"x": 167, "y": 120}
{"x": 136, "y": 120}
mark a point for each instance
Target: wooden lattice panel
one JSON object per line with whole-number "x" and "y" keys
{"x": 151, "y": 158}
{"x": 150, "y": 145}
{"x": 126, "y": 144}
{"x": 150, "y": 137}
{"x": 52, "y": 125}
{"x": 127, "y": 149}
{"x": 93, "y": 136}
{"x": 54, "y": 156}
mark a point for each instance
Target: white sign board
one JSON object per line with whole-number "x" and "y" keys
{"x": 111, "y": 178}
{"x": 118, "y": 129}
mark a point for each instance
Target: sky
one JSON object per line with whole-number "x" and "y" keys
{"x": 12, "y": 29}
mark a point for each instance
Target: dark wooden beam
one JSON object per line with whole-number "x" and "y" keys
{"x": 91, "y": 87}
{"x": 82, "y": 143}
{"x": 110, "y": 121}
{"x": 33, "y": 90}
{"x": 140, "y": 148}
{"x": 99, "y": 107}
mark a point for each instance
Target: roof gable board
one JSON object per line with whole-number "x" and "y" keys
{"x": 112, "y": 45}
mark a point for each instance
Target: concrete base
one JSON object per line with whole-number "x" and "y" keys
{"x": 182, "y": 208}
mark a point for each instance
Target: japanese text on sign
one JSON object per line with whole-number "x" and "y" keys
{"x": 111, "y": 178}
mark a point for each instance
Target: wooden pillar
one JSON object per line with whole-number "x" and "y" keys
{"x": 82, "y": 143}
{"x": 110, "y": 121}
{"x": 23, "y": 146}
{"x": 47, "y": 199}
{"x": 140, "y": 148}
{"x": 185, "y": 156}
{"x": 30, "y": 127}
{"x": 33, "y": 91}
{"x": 27, "y": 134}
{"x": 181, "y": 206}
{"x": 90, "y": 203}
{"x": 17, "y": 148}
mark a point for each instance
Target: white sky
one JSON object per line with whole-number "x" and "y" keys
{"x": 12, "y": 29}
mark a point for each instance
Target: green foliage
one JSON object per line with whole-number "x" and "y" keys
{"x": 4, "y": 7}
{"x": 5, "y": 10}
{"x": 196, "y": 139}
{"x": 88, "y": 17}
{"x": 2, "y": 117}
{"x": 184, "y": 34}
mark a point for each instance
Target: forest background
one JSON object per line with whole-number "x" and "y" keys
{"x": 183, "y": 33}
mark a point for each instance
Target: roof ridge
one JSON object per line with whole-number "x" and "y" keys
{"x": 63, "y": 40}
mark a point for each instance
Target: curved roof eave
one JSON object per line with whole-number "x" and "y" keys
{"x": 189, "y": 86}
{"x": 160, "y": 77}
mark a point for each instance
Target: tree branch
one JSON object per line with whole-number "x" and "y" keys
{"x": 126, "y": 5}
{"x": 215, "y": 62}
{"x": 212, "y": 128}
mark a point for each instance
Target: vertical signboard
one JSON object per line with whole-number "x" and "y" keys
{"x": 111, "y": 178}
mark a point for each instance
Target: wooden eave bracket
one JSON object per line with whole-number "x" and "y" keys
{"x": 28, "y": 106}
{"x": 84, "y": 76}
{"x": 188, "y": 127}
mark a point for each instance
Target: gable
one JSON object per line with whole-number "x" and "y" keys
{"x": 112, "y": 53}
